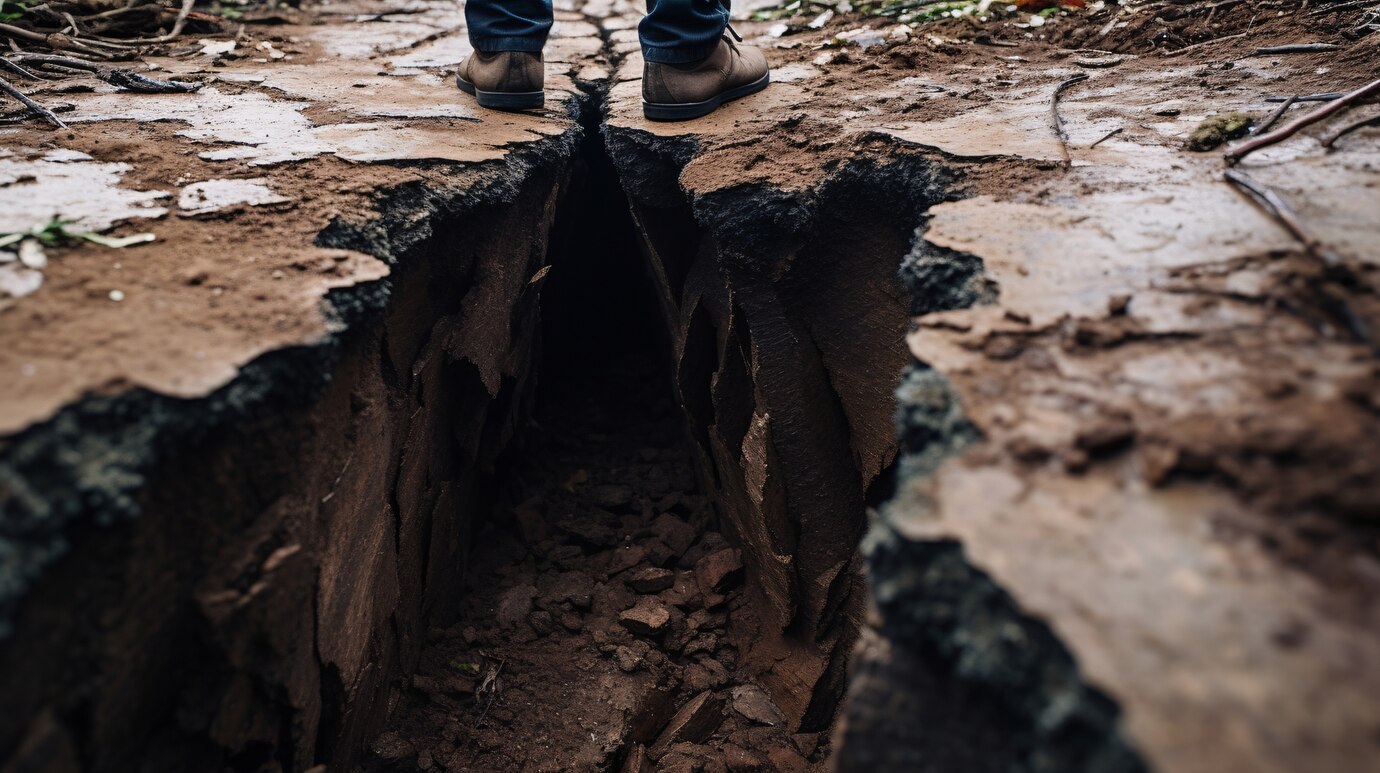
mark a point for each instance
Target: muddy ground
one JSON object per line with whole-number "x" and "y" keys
{"x": 1128, "y": 522}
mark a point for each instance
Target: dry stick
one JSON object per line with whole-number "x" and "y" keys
{"x": 1178, "y": 51}
{"x": 20, "y": 32}
{"x": 1297, "y": 48}
{"x": 17, "y": 70}
{"x": 1058, "y": 122}
{"x": 1349, "y": 128}
{"x": 1275, "y": 205}
{"x": 1335, "y": 8}
{"x": 1246, "y": 148}
{"x": 115, "y": 76}
{"x": 1327, "y": 96}
{"x": 1280, "y": 210}
{"x": 1272, "y": 117}
{"x": 42, "y": 111}
{"x": 1107, "y": 136}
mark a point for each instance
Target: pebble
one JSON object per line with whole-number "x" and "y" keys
{"x": 648, "y": 617}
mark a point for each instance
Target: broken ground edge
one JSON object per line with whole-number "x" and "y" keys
{"x": 767, "y": 293}
{"x": 980, "y": 684}
{"x": 52, "y": 492}
{"x": 93, "y": 465}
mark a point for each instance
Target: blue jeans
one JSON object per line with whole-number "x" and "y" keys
{"x": 672, "y": 32}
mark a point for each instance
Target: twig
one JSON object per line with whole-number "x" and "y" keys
{"x": 1246, "y": 148}
{"x": 42, "y": 111}
{"x": 116, "y": 76}
{"x": 1327, "y": 96}
{"x": 17, "y": 70}
{"x": 177, "y": 24}
{"x": 1275, "y": 205}
{"x": 1107, "y": 136}
{"x": 1332, "y": 138}
{"x": 1338, "y": 7}
{"x": 1272, "y": 117}
{"x": 1296, "y": 48}
{"x": 20, "y": 32}
{"x": 1178, "y": 51}
{"x": 1058, "y": 122}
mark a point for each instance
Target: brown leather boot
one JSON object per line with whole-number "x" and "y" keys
{"x": 503, "y": 80}
{"x": 678, "y": 93}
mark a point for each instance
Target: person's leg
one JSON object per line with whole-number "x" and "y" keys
{"x": 681, "y": 31}
{"x": 508, "y": 25}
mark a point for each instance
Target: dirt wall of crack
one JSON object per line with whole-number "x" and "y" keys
{"x": 235, "y": 582}
{"x": 787, "y": 321}
{"x": 951, "y": 674}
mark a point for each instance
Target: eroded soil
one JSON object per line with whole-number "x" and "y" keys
{"x": 594, "y": 625}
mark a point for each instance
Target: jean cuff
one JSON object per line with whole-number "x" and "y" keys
{"x": 678, "y": 54}
{"x": 492, "y": 45}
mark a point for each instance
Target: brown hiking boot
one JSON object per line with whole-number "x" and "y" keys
{"x": 681, "y": 92}
{"x": 503, "y": 80}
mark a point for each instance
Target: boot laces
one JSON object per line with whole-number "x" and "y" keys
{"x": 733, "y": 32}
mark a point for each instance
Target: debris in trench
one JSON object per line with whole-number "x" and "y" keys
{"x": 612, "y": 602}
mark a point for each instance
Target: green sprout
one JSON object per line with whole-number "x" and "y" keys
{"x": 57, "y": 231}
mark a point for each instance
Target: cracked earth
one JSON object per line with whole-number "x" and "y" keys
{"x": 264, "y": 506}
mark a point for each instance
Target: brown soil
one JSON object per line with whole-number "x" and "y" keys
{"x": 600, "y": 604}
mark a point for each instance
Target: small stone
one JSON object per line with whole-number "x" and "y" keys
{"x": 650, "y": 580}
{"x": 515, "y": 604}
{"x": 117, "y": 295}
{"x": 719, "y": 571}
{"x": 625, "y": 558}
{"x": 424, "y": 759}
{"x": 566, "y": 556}
{"x": 705, "y": 643}
{"x": 588, "y": 531}
{"x": 683, "y": 593}
{"x": 676, "y": 533}
{"x": 542, "y": 622}
{"x": 786, "y": 758}
{"x": 627, "y": 660}
{"x": 740, "y": 760}
{"x": 693, "y": 723}
{"x": 752, "y": 703}
{"x": 571, "y": 622}
{"x": 391, "y": 746}
{"x": 577, "y": 588}
{"x": 531, "y": 526}
{"x": 649, "y": 617}
{"x": 611, "y": 496}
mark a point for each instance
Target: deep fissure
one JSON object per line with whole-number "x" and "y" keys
{"x": 603, "y": 526}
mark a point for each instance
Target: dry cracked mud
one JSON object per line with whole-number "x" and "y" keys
{"x": 381, "y": 455}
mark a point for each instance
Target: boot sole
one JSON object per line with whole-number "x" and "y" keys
{"x": 503, "y": 100}
{"x": 684, "y": 111}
